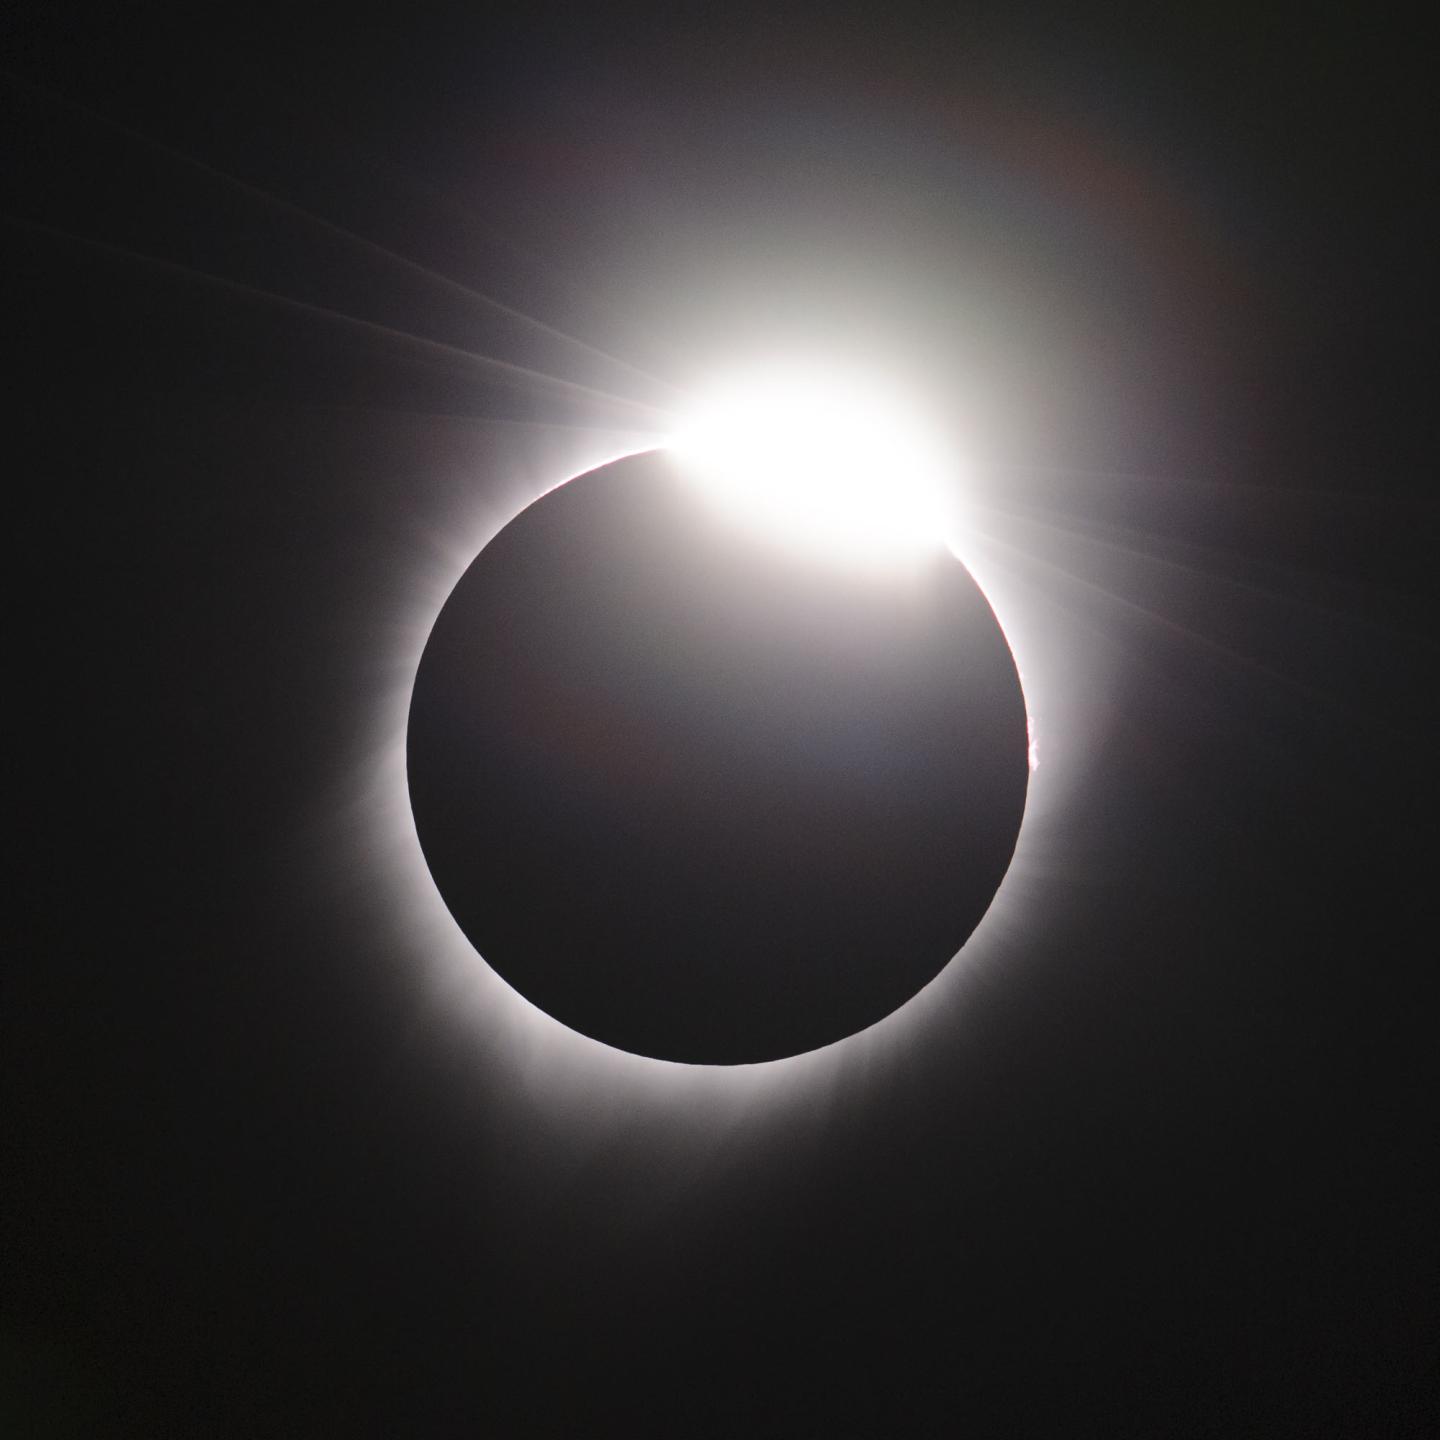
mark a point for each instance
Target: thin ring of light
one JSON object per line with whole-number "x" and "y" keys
{"x": 564, "y": 1073}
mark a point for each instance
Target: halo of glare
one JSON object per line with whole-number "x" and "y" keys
{"x": 833, "y": 464}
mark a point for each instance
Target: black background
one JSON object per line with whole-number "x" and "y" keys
{"x": 1159, "y": 1164}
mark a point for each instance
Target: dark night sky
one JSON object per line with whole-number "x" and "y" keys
{"x": 1156, "y": 1160}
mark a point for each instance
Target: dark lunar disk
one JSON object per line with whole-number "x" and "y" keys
{"x": 699, "y": 798}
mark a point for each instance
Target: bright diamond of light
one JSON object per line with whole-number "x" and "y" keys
{"x": 833, "y": 464}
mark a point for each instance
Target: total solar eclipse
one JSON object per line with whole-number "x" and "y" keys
{"x": 703, "y": 796}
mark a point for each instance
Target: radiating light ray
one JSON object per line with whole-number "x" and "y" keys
{"x": 648, "y": 437}
{"x": 470, "y": 360}
{"x": 330, "y": 227}
{"x": 1198, "y": 564}
{"x": 1153, "y": 616}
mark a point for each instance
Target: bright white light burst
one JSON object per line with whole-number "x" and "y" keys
{"x": 833, "y": 464}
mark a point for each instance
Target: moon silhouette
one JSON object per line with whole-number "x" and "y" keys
{"x": 701, "y": 799}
